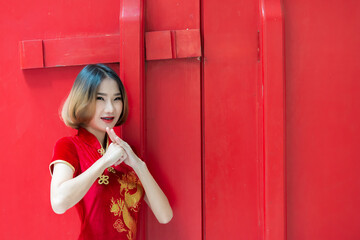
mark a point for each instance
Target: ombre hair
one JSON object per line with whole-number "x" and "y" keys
{"x": 79, "y": 107}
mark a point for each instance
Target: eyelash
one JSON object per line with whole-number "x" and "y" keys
{"x": 101, "y": 98}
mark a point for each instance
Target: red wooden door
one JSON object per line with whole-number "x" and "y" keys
{"x": 232, "y": 122}
{"x": 322, "y": 119}
{"x": 194, "y": 118}
{"x": 173, "y": 120}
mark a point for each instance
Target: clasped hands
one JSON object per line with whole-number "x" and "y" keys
{"x": 120, "y": 151}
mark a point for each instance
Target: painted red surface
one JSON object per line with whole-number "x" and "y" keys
{"x": 173, "y": 147}
{"x": 132, "y": 73}
{"x": 158, "y": 45}
{"x": 271, "y": 36}
{"x": 188, "y": 43}
{"x": 213, "y": 130}
{"x": 231, "y": 105}
{"x": 31, "y": 100}
{"x": 173, "y": 124}
{"x": 173, "y": 44}
{"x": 323, "y": 116}
{"x": 81, "y": 50}
{"x": 63, "y": 52}
{"x": 31, "y": 54}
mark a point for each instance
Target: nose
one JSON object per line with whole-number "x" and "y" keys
{"x": 109, "y": 107}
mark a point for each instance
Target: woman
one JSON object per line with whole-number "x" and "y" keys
{"x": 105, "y": 181}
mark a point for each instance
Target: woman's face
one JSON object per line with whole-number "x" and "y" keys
{"x": 109, "y": 106}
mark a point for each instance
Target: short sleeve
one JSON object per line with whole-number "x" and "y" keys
{"x": 65, "y": 152}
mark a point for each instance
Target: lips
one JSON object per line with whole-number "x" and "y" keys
{"x": 107, "y": 119}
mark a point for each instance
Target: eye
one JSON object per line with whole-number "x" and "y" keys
{"x": 99, "y": 98}
{"x": 118, "y": 99}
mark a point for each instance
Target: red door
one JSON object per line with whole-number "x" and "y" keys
{"x": 232, "y": 124}
{"x": 173, "y": 116}
{"x": 322, "y": 119}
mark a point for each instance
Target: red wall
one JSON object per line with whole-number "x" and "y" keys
{"x": 211, "y": 131}
{"x": 31, "y": 99}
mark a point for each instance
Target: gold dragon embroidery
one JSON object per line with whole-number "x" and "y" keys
{"x": 131, "y": 190}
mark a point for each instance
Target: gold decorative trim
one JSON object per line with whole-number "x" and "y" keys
{"x": 101, "y": 151}
{"x": 60, "y": 161}
{"x": 103, "y": 179}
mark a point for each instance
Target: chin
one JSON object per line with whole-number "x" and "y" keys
{"x": 109, "y": 126}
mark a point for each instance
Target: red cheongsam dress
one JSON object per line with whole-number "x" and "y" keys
{"x": 109, "y": 210}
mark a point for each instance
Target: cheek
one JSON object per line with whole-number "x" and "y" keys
{"x": 98, "y": 107}
{"x": 119, "y": 108}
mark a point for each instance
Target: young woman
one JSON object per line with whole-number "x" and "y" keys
{"x": 95, "y": 170}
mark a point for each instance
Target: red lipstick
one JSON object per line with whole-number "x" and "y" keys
{"x": 107, "y": 119}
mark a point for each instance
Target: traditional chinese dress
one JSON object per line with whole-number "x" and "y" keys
{"x": 109, "y": 210}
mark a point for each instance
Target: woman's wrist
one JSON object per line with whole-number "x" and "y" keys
{"x": 103, "y": 162}
{"x": 139, "y": 165}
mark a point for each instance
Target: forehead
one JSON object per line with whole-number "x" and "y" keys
{"x": 108, "y": 86}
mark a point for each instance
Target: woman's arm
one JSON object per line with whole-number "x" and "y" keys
{"x": 155, "y": 197}
{"x": 66, "y": 191}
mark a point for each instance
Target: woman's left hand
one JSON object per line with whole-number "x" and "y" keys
{"x": 132, "y": 159}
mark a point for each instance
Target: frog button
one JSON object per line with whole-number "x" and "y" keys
{"x": 101, "y": 151}
{"x": 103, "y": 179}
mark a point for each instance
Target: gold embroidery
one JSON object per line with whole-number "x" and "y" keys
{"x": 128, "y": 181}
{"x": 119, "y": 226}
{"x": 103, "y": 179}
{"x": 128, "y": 220}
{"x": 133, "y": 200}
{"x": 125, "y": 186}
{"x": 132, "y": 191}
{"x": 118, "y": 208}
{"x": 111, "y": 169}
{"x": 130, "y": 235}
{"x": 115, "y": 207}
{"x": 131, "y": 177}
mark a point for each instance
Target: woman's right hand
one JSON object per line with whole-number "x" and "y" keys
{"x": 114, "y": 155}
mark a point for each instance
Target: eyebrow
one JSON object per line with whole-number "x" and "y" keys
{"x": 104, "y": 94}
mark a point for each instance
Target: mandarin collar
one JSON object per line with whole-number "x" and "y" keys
{"x": 90, "y": 138}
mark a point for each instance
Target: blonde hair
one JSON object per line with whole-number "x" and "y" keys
{"x": 79, "y": 106}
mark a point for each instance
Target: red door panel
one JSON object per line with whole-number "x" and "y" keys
{"x": 173, "y": 123}
{"x": 173, "y": 150}
{"x": 231, "y": 98}
{"x": 322, "y": 105}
